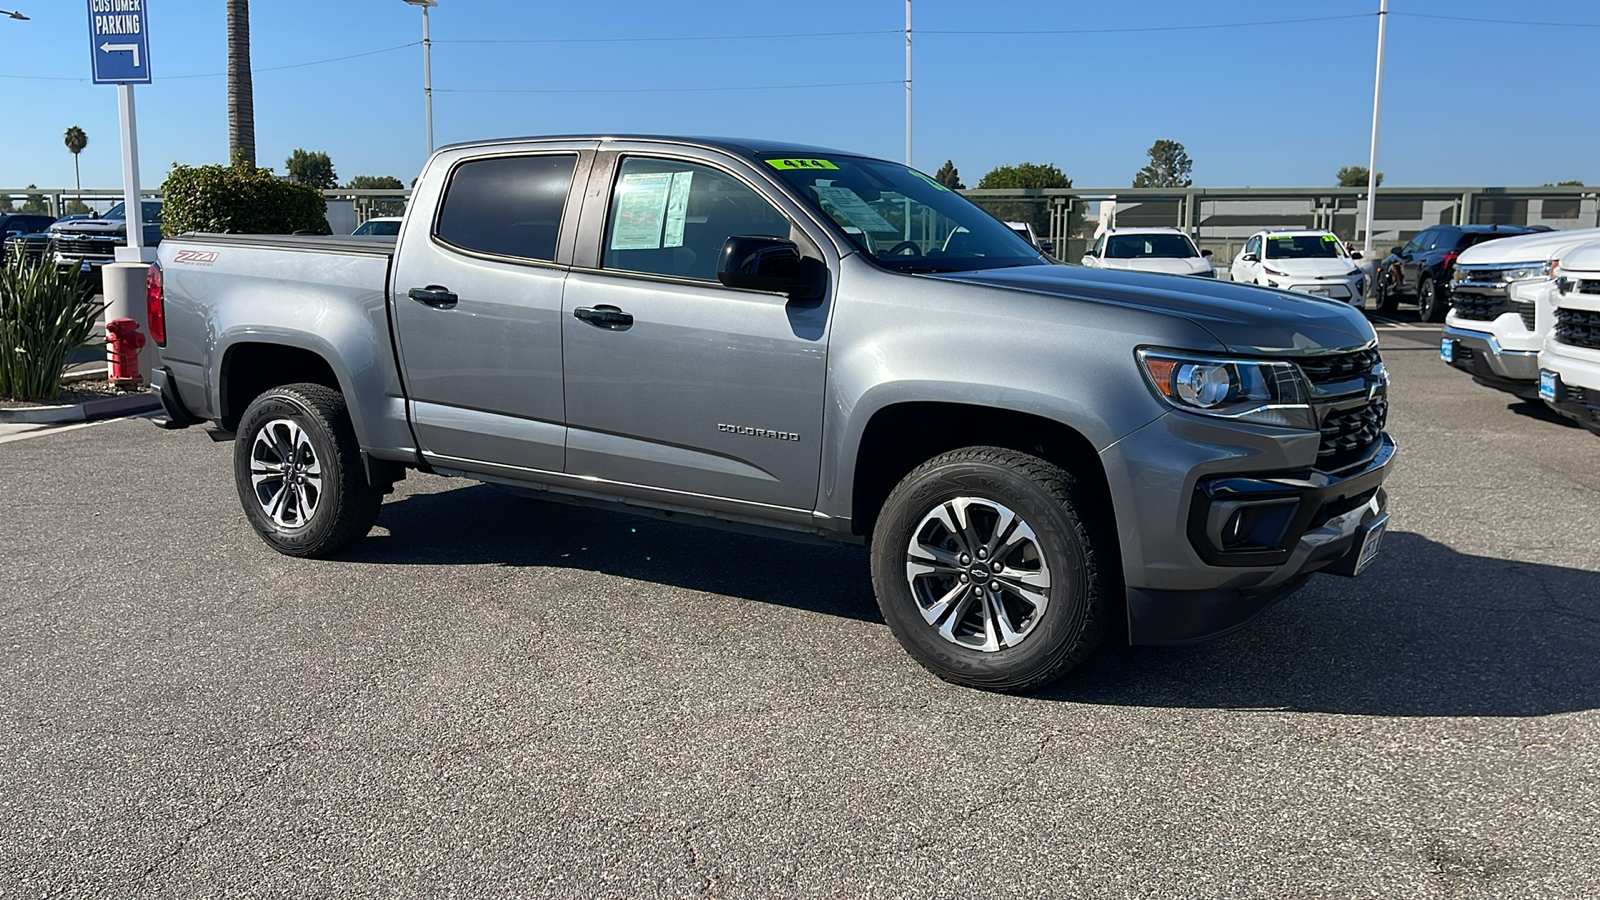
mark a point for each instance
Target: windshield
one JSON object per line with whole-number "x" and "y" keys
{"x": 150, "y": 208}
{"x": 386, "y": 228}
{"x": 1149, "y": 246}
{"x": 902, "y": 218}
{"x": 1304, "y": 246}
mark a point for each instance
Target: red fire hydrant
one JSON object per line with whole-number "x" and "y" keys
{"x": 123, "y": 342}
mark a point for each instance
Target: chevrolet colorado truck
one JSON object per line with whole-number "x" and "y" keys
{"x": 810, "y": 343}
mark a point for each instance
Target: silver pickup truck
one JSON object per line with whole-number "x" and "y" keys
{"x": 807, "y": 342}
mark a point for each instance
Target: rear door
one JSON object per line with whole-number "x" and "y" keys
{"x": 476, "y": 297}
{"x": 687, "y": 390}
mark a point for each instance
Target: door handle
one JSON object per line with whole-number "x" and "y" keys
{"x": 604, "y": 316}
{"x": 434, "y": 296}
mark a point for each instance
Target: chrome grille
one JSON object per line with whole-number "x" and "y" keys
{"x": 1479, "y": 307}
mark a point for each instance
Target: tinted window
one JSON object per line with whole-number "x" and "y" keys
{"x": 510, "y": 206}
{"x": 671, "y": 218}
{"x": 1303, "y": 246}
{"x": 1443, "y": 239}
{"x": 1149, "y": 246}
{"x": 1253, "y": 246}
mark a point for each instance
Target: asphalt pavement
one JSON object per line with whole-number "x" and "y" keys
{"x": 498, "y": 697}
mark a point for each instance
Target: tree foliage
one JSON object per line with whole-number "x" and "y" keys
{"x": 386, "y": 206}
{"x": 1355, "y": 176}
{"x": 1169, "y": 167}
{"x": 949, "y": 176}
{"x": 311, "y": 167}
{"x": 239, "y": 200}
{"x": 1025, "y": 176}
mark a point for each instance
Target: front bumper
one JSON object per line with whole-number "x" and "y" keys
{"x": 1176, "y": 479}
{"x": 1576, "y": 384}
{"x": 1481, "y": 355}
{"x": 1350, "y": 291}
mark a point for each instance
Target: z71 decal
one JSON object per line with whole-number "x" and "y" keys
{"x": 196, "y": 257}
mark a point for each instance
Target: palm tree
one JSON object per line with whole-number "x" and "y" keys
{"x": 241, "y": 100}
{"x": 76, "y": 140}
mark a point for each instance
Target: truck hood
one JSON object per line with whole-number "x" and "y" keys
{"x": 94, "y": 226}
{"x": 1191, "y": 266}
{"x": 1243, "y": 318}
{"x": 1525, "y": 247}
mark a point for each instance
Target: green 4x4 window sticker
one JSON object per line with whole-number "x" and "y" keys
{"x": 1330, "y": 238}
{"x": 801, "y": 164}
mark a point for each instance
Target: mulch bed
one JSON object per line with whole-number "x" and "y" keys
{"x": 76, "y": 392}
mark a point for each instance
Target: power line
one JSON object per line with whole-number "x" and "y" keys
{"x": 1412, "y": 15}
{"x": 315, "y": 62}
{"x": 686, "y": 90}
{"x": 644, "y": 40}
{"x": 1211, "y": 27}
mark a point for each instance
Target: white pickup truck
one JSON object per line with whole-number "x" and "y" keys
{"x": 1501, "y": 308}
{"x": 1569, "y": 363}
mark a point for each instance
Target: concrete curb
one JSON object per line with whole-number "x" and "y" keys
{"x": 87, "y": 411}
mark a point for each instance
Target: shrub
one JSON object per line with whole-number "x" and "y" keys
{"x": 238, "y": 200}
{"x": 42, "y": 319}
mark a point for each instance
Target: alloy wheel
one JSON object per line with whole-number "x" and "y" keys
{"x": 978, "y": 574}
{"x": 285, "y": 473}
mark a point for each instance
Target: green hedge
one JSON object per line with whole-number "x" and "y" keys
{"x": 238, "y": 200}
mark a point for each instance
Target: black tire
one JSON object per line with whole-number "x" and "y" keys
{"x": 1387, "y": 300}
{"x": 1432, "y": 302}
{"x": 345, "y": 507}
{"x": 1074, "y": 541}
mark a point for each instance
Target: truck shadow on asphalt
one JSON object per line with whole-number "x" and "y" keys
{"x": 1426, "y": 631}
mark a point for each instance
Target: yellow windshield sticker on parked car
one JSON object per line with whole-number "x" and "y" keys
{"x": 801, "y": 164}
{"x": 1329, "y": 238}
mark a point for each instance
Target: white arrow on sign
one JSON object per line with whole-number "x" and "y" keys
{"x": 113, "y": 48}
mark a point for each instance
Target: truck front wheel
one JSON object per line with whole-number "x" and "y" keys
{"x": 993, "y": 569}
{"x": 297, "y": 465}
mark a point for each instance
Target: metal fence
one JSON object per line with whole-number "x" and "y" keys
{"x": 1219, "y": 219}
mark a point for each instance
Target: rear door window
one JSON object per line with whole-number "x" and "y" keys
{"x": 507, "y": 206}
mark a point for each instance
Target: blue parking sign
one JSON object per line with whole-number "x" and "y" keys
{"x": 119, "y": 41}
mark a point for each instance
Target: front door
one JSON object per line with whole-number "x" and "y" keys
{"x": 477, "y": 312}
{"x": 674, "y": 382}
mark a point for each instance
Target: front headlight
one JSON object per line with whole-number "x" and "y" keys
{"x": 1271, "y": 271}
{"x": 1525, "y": 271}
{"x": 1262, "y": 391}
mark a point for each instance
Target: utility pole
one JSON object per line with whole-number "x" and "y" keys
{"x": 1377, "y": 103}
{"x": 427, "y": 65}
{"x": 908, "y": 82}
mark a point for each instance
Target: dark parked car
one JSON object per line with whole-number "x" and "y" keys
{"x": 90, "y": 242}
{"x": 14, "y": 225}
{"x": 1419, "y": 272}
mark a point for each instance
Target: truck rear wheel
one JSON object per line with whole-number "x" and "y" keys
{"x": 297, "y": 465}
{"x": 993, "y": 569}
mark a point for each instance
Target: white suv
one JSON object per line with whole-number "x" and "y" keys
{"x": 1502, "y": 306}
{"x": 1164, "y": 250}
{"x": 1569, "y": 364}
{"x": 1303, "y": 260}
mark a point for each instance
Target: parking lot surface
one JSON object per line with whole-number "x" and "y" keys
{"x": 497, "y": 697}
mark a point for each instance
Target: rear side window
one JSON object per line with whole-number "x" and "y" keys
{"x": 509, "y": 206}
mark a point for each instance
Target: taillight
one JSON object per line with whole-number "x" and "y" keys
{"x": 1446, "y": 260}
{"x": 155, "y": 306}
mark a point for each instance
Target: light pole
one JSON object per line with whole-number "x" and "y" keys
{"x": 13, "y": 14}
{"x": 1377, "y": 102}
{"x": 427, "y": 64}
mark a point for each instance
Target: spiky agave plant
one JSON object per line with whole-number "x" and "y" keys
{"x": 43, "y": 317}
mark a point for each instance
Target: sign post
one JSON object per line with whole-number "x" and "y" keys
{"x": 119, "y": 54}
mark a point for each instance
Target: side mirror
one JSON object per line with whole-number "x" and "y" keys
{"x": 1398, "y": 251}
{"x": 1250, "y": 257}
{"x": 1047, "y": 246}
{"x": 762, "y": 263}
{"x": 1205, "y": 254}
{"x": 1085, "y": 260}
{"x": 1355, "y": 254}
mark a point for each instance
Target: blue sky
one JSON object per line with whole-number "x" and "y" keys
{"x": 1464, "y": 103}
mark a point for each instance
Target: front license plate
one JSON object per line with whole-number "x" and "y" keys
{"x": 1319, "y": 292}
{"x": 1447, "y": 350}
{"x": 1549, "y": 383}
{"x": 1370, "y": 544}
